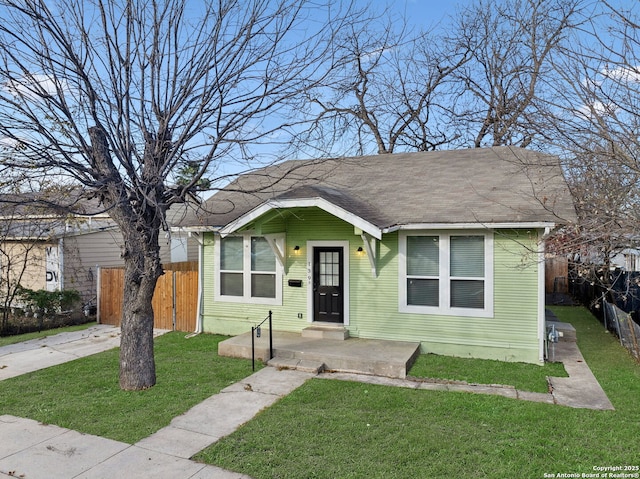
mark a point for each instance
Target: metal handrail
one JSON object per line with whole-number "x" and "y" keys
{"x": 256, "y": 332}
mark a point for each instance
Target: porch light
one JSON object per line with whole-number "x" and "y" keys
{"x": 296, "y": 249}
{"x": 359, "y": 251}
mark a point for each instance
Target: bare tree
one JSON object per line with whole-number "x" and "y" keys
{"x": 597, "y": 95}
{"x": 513, "y": 44}
{"x": 117, "y": 96}
{"x": 592, "y": 116}
{"x": 607, "y": 200}
{"x": 387, "y": 93}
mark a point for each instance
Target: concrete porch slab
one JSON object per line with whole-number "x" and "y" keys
{"x": 356, "y": 355}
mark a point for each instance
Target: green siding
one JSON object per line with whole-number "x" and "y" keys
{"x": 511, "y": 334}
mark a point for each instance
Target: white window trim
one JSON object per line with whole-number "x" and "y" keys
{"x": 444, "y": 308}
{"x": 247, "y": 298}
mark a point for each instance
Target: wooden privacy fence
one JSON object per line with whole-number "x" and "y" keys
{"x": 556, "y": 274}
{"x": 174, "y": 303}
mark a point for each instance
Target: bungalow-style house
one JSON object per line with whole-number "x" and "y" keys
{"x": 443, "y": 248}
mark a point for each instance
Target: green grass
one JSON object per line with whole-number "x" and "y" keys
{"x": 18, "y": 338}
{"x": 84, "y": 395}
{"x": 525, "y": 377}
{"x": 328, "y": 428}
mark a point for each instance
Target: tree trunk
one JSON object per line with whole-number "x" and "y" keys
{"x": 139, "y": 216}
{"x": 141, "y": 272}
{"x": 137, "y": 365}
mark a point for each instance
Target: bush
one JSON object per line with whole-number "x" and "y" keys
{"x": 42, "y": 302}
{"x": 40, "y": 310}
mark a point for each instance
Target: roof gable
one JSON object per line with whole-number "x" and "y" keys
{"x": 500, "y": 185}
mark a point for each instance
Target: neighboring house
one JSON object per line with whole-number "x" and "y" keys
{"x": 442, "y": 248}
{"x": 44, "y": 247}
{"x": 627, "y": 260}
{"x": 59, "y": 252}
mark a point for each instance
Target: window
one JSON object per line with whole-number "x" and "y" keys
{"x": 263, "y": 267}
{"x": 247, "y": 270}
{"x": 466, "y": 271}
{"x": 423, "y": 270}
{"x": 446, "y": 273}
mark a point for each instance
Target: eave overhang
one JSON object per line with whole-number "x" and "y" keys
{"x": 475, "y": 226}
{"x": 320, "y": 203}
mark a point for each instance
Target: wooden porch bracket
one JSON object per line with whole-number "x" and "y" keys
{"x": 369, "y": 243}
{"x": 279, "y": 253}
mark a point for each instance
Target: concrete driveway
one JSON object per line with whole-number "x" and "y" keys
{"x": 21, "y": 358}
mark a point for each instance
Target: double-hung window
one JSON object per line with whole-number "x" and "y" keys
{"x": 446, "y": 273}
{"x": 247, "y": 270}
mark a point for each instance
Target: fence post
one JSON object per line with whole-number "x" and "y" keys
{"x": 270, "y": 337}
{"x": 253, "y": 350}
{"x": 615, "y": 315}
{"x": 634, "y": 325}
{"x": 173, "y": 300}
{"x": 99, "y": 287}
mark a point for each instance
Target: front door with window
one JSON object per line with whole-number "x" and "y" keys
{"x": 328, "y": 289}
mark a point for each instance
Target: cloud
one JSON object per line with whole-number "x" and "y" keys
{"x": 376, "y": 53}
{"x": 625, "y": 73}
{"x": 606, "y": 80}
{"x": 35, "y": 86}
{"x": 596, "y": 109}
{"x": 7, "y": 143}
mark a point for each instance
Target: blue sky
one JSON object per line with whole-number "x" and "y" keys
{"x": 426, "y": 12}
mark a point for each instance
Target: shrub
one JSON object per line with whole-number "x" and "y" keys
{"x": 42, "y": 302}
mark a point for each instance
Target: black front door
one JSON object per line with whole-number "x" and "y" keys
{"x": 328, "y": 298}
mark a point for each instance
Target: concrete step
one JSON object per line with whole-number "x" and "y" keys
{"x": 360, "y": 363}
{"x": 325, "y": 332}
{"x": 308, "y": 366}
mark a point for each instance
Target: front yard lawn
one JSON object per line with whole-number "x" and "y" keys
{"x": 84, "y": 394}
{"x": 328, "y": 429}
{"x": 525, "y": 377}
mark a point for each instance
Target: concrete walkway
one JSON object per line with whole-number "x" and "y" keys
{"x": 32, "y": 450}
{"x": 223, "y": 413}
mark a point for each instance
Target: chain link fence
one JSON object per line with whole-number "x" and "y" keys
{"x": 621, "y": 323}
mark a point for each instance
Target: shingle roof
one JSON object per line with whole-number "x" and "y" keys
{"x": 484, "y": 186}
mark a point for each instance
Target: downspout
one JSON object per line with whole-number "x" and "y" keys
{"x": 542, "y": 325}
{"x": 199, "y": 313}
{"x": 61, "y": 263}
